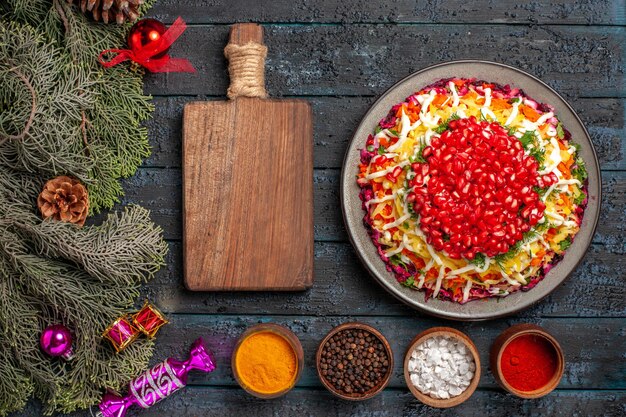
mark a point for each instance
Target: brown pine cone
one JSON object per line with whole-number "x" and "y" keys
{"x": 120, "y": 11}
{"x": 65, "y": 199}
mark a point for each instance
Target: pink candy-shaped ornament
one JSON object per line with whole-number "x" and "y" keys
{"x": 157, "y": 383}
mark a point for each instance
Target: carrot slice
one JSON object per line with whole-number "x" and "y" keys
{"x": 403, "y": 107}
{"x": 530, "y": 113}
{"x": 439, "y": 100}
{"x": 500, "y": 104}
{"x": 564, "y": 170}
{"x": 418, "y": 262}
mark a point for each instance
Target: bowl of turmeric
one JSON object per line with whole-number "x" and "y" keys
{"x": 267, "y": 360}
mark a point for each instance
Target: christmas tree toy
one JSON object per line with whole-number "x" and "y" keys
{"x": 157, "y": 383}
{"x": 56, "y": 340}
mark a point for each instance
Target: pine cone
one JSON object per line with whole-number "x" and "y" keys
{"x": 108, "y": 10}
{"x": 65, "y": 199}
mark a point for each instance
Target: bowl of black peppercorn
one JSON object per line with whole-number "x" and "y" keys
{"x": 354, "y": 361}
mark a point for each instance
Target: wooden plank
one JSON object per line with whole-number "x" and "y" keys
{"x": 247, "y": 182}
{"x": 342, "y": 287}
{"x": 595, "y": 12}
{"x": 195, "y": 401}
{"x": 587, "y": 365}
{"x": 336, "y": 119}
{"x": 367, "y": 59}
{"x": 160, "y": 191}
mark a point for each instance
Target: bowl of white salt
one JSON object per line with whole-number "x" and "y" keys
{"x": 442, "y": 367}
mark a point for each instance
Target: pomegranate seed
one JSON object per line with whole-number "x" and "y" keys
{"x": 478, "y": 178}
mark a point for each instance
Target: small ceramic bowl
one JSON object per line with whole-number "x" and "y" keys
{"x": 286, "y": 334}
{"x": 501, "y": 343}
{"x": 441, "y": 402}
{"x": 370, "y": 393}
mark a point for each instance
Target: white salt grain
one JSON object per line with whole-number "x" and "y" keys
{"x": 441, "y": 367}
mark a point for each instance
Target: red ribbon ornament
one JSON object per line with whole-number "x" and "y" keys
{"x": 144, "y": 55}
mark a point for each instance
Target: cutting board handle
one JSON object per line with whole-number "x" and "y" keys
{"x": 246, "y": 61}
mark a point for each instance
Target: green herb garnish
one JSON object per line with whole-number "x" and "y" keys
{"x": 527, "y": 139}
{"x": 381, "y": 150}
{"x": 580, "y": 171}
{"x": 444, "y": 126}
{"x": 529, "y": 142}
{"x": 580, "y": 198}
{"x": 539, "y": 157}
{"x": 514, "y": 250}
{"x": 565, "y": 243}
{"x": 378, "y": 130}
{"x": 540, "y": 191}
{"x": 396, "y": 260}
{"x": 370, "y": 148}
{"x": 418, "y": 157}
{"x": 441, "y": 128}
{"x": 479, "y": 260}
{"x": 559, "y": 131}
{"x": 410, "y": 282}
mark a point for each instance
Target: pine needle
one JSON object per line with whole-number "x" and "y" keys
{"x": 61, "y": 113}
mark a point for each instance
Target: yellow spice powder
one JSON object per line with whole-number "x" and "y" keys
{"x": 266, "y": 362}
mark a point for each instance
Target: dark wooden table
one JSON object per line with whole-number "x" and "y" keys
{"x": 341, "y": 55}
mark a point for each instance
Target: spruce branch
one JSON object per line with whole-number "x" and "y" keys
{"x": 4, "y": 137}
{"x": 61, "y": 113}
{"x": 125, "y": 248}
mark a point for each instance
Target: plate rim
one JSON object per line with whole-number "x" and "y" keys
{"x": 422, "y": 305}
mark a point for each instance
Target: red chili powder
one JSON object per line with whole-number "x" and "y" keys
{"x": 528, "y": 362}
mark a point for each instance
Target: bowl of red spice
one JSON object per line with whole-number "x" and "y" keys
{"x": 267, "y": 360}
{"x": 527, "y": 361}
{"x": 354, "y": 361}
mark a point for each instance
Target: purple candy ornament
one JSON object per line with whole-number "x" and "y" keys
{"x": 157, "y": 383}
{"x": 56, "y": 340}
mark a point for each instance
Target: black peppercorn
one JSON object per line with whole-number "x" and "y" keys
{"x": 354, "y": 361}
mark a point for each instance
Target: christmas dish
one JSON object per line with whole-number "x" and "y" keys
{"x": 471, "y": 190}
{"x": 457, "y": 189}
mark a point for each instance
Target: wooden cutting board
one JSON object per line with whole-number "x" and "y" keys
{"x": 248, "y": 191}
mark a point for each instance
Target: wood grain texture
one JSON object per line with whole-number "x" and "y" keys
{"x": 248, "y": 195}
{"x": 587, "y": 344}
{"x": 338, "y": 117}
{"x": 247, "y": 191}
{"x": 364, "y": 59}
{"x": 160, "y": 191}
{"x": 600, "y": 12}
{"x": 349, "y": 54}
{"x": 194, "y": 401}
{"x": 343, "y": 287}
